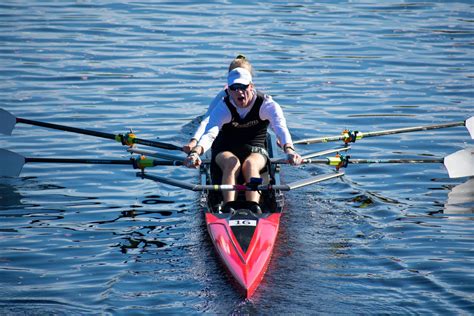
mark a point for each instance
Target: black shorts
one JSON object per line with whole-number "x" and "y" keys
{"x": 242, "y": 152}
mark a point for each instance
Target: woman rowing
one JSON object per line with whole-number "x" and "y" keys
{"x": 237, "y": 130}
{"x": 239, "y": 61}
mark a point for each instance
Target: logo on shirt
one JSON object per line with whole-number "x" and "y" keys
{"x": 245, "y": 125}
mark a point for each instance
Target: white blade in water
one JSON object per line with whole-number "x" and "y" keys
{"x": 460, "y": 163}
{"x": 470, "y": 126}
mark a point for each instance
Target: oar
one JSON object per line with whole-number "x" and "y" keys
{"x": 239, "y": 187}
{"x": 458, "y": 164}
{"x": 8, "y": 122}
{"x": 155, "y": 154}
{"x": 352, "y": 136}
{"x": 12, "y": 163}
{"x": 326, "y": 152}
{"x": 312, "y": 180}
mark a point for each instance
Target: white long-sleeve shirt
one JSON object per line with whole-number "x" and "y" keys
{"x": 220, "y": 115}
{"x": 202, "y": 126}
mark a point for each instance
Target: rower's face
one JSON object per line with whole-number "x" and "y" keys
{"x": 242, "y": 97}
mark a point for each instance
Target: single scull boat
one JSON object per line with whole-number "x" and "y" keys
{"x": 243, "y": 239}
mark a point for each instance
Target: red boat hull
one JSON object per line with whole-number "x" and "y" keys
{"x": 247, "y": 264}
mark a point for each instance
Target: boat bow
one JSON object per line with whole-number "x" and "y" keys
{"x": 244, "y": 242}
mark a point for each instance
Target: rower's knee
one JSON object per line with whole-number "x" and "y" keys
{"x": 230, "y": 165}
{"x": 251, "y": 167}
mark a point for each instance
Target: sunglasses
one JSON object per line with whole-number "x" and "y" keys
{"x": 238, "y": 87}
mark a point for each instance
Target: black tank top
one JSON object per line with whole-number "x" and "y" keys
{"x": 251, "y": 130}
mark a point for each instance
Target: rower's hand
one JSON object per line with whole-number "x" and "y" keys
{"x": 189, "y": 146}
{"x": 193, "y": 161}
{"x": 293, "y": 157}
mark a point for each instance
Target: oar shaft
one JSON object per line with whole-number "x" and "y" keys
{"x": 118, "y": 137}
{"x": 412, "y": 129}
{"x": 375, "y": 161}
{"x": 153, "y": 143}
{"x": 78, "y": 160}
{"x": 66, "y": 128}
{"x": 326, "y": 152}
{"x": 336, "y": 160}
{"x": 319, "y": 140}
{"x": 138, "y": 163}
{"x": 360, "y": 135}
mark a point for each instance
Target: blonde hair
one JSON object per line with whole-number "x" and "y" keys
{"x": 242, "y": 62}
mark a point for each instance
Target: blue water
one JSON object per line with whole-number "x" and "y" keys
{"x": 80, "y": 239}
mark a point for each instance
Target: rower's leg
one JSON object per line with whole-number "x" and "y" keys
{"x": 251, "y": 169}
{"x": 230, "y": 166}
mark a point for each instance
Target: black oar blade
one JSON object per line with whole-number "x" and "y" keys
{"x": 460, "y": 164}
{"x": 11, "y": 163}
{"x": 7, "y": 122}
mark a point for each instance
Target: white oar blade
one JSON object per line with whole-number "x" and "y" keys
{"x": 460, "y": 164}
{"x": 11, "y": 163}
{"x": 7, "y": 122}
{"x": 470, "y": 126}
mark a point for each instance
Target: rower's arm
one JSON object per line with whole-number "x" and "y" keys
{"x": 202, "y": 126}
{"x": 218, "y": 117}
{"x": 272, "y": 111}
{"x": 289, "y": 148}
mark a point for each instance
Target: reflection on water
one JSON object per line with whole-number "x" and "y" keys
{"x": 10, "y": 197}
{"x": 88, "y": 239}
{"x": 461, "y": 199}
